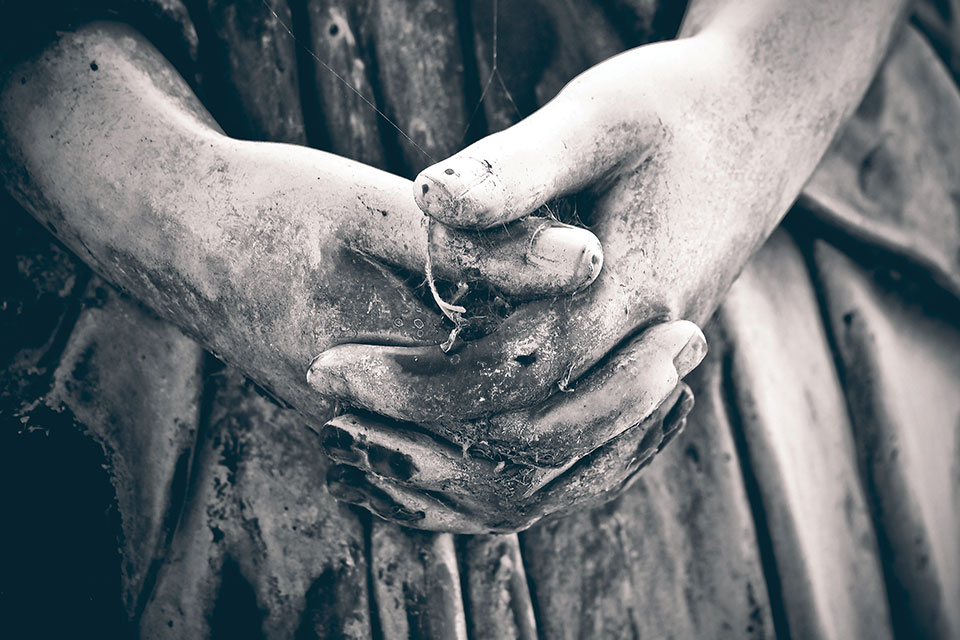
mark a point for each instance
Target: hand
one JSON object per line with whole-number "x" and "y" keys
{"x": 688, "y": 152}
{"x": 681, "y": 179}
{"x": 614, "y": 422}
{"x": 267, "y": 253}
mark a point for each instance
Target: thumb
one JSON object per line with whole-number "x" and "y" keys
{"x": 573, "y": 141}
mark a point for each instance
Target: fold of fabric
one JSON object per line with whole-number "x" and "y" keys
{"x": 814, "y": 492}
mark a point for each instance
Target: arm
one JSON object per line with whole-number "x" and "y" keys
{"x": 266, "y": 253}
{"x": 691, "y": 152}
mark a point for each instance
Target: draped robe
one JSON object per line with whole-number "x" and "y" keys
{"x": 815, "y": 492}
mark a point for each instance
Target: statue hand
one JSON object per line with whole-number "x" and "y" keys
{"x": 686, "y": 154}
{"x": 594, "y": 440}
{"x": 267, "y": 253}
{"x": 671, "y": 178}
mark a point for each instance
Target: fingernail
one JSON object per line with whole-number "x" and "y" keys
{"x": 391, "y": 464}
{"x": 460, "y": 191}
{"x": 408, "y": 515}
{"x": 348, "y": 484}
{"x": 691, "y": 354}
{"x": 670, "y": 435}
{"x": 567, "y": 251}
{"x": 382, "y": 504}
{"x": 397, "y": 513}
{"x": 432, "y": 196}
{"x": 323, "y": 375}
{"x": 338, "y": 445}
{"x": 346, "y": 493}
{"x": 346, "y": 475}
{"x": 333, "y": 437}
{"x": 458, "y": 174}
{"x": 680, "y": 408}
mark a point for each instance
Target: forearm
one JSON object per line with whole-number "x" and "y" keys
{"x": 106, "y": 145}
{"x": 807, "y": 47}
{"x": 266, "y": 253}
{"x": 802, "y": 68}
{"x": 786, "y": 76}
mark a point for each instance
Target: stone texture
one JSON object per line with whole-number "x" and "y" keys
{"x": 496, "y": 588}
{"x": 250, "y": 68}
{"x": 416, "y": 584}
{"x": 540, "y": 46}
{"x": 899, "y": 355}
{"x": 134, "y": 380}
{"x": 261, "y": 542}
{"x": 675, "y": 556}
{"x": 343, "y": 78}
{"x": 891, "y": 177}
{"x": 420, "y": 73}
{"x": 790, "y": 407}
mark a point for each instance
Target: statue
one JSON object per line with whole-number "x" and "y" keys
{"x": 564, "y": 346}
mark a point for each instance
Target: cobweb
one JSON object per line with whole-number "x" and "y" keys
{"x": 494, "y": 75}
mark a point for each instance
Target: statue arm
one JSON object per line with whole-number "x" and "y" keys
{"x": 691, "y": 152}
{"x": 266, "y": 253}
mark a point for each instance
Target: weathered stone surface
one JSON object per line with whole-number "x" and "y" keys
{"x": 416, "y": 583}
{"x": 891, "y": 177}
{"x": 676, "y": 556}
{"x": 261, "y": 542}
{"x": 251, "y": 70}
{"x": 642, "y": 21}
{"x": 40, "y": 286}
{"x": 134, "y": 381}
{"x": 420, "y": 73}
{"x": 497, "y": 593}
{"x": 340, "y": 38}
{"x": 538, "y": 47}
{"x": 939, "y": 21}
{"x": 168, "y": 25}
{"x": 286, "y": 220}
{"x": 60, "y": 522}
{"x": 683, "y": 538}
{"x": 899, "y": 355}
{"x": 789, "y": 405}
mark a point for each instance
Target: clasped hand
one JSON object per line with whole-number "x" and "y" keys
{"x": 272, "y": 254}
{"x": 571, "y": 395}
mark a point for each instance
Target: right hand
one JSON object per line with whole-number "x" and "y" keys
{"x": 505, "y": 472}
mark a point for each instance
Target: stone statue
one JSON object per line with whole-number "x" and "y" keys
{"x": 332, "y": 285}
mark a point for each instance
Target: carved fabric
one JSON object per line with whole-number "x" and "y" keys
{"x": 814, "y": 493}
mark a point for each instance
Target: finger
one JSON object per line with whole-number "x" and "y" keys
{"x": 424, "y": 386}
{"x": 395, "y": 503}
{"x": 536, "y": 257}
{"x": 600, "y": 476}
{"x": 637, "y": 379}
{"x": 420, "y": 462}
{"x": 574, "y": 140}
{"x": 377, "y": 306}
{"x": 375, "y": 445}
{"x": 612, "y": 468}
